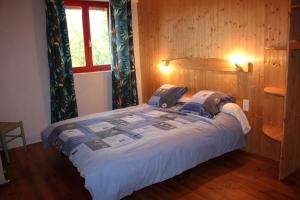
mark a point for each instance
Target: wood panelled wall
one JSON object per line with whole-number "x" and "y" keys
{"x": 216, "y": 29}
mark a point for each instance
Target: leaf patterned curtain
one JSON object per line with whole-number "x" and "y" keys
{"x": 123, "y": 67}
{"x": 63, "y": 100}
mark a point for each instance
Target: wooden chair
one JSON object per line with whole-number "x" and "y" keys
{"x": 5, "y": 128}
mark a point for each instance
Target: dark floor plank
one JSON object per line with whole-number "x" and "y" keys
{"x": 40, "y": 173}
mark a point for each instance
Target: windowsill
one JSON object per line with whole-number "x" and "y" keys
{"x": 88, "y": 69}
{"x": 95, "y": 72}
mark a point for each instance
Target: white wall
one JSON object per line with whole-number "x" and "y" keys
{"x": 24, "y": 79}
{"x": 93, "y": 92}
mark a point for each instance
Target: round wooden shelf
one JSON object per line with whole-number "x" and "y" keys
{"x": 276, "y": 48}
{"x": 273, "y": 132}
{"x": 275, "y": 91}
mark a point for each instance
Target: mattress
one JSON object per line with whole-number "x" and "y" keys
{"x": 121, "y": 151}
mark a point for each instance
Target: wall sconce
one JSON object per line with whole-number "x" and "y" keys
{"x": 164, "y": 66}
{"x": 241, "y": 61}
{"x": 238, "y": 68}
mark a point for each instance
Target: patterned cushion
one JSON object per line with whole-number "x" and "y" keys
{"x": 196, "y": 109}
{"x": 211, "y": 101}
{"x": 167, "y": 95}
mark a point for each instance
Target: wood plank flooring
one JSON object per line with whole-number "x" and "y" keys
{"x": 46, "y": 174}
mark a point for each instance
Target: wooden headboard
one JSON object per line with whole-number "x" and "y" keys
{"x": 208, "y": 64}
{"x": 203, "y": 73}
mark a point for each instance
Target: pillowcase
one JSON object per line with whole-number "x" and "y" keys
{"x": 212, "y": 100}
{"x": 167, "y": 95}
{"x": 236, "y": 111}
{"x": 195, "y": 109}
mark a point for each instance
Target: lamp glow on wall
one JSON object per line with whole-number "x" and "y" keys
{"x": 165, "y": 66}
{"x": 239, "y": 59}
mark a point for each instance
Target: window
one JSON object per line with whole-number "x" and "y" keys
{"x": 88, "y": 35}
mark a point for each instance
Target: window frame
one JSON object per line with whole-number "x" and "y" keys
{"x": 85, "y": 5}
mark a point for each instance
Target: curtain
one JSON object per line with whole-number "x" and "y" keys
{"x": 124, "y": 88}
{"x": 63, "y": 100}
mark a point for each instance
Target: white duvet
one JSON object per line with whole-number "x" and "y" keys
{"x": 114, "y": 173}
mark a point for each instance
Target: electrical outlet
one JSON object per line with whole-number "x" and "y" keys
{"x": 246, "y": 105}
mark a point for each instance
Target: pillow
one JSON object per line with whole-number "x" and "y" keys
{"x": 167, "y": 95}
{"x": 236, "y": 111}
{"x": 212, "y": 100}
{"x": 195, "y": 109}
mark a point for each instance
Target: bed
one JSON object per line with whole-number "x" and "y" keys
{"x": 121, "y": 151}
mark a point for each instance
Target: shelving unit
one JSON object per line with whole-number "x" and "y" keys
{"x": 273, "y": 132}
{"x": 275, "y": 91}
{"x": 275, "y": 70}
{"x": 289, "y": 160}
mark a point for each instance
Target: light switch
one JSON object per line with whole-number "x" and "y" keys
{"x": 246, "y": 105}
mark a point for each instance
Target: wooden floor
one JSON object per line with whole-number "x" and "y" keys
{"x": 46, "y": 174}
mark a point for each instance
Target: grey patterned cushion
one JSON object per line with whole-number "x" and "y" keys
{"x": 167, "y": 95}
{"x": 212, "y": 100}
